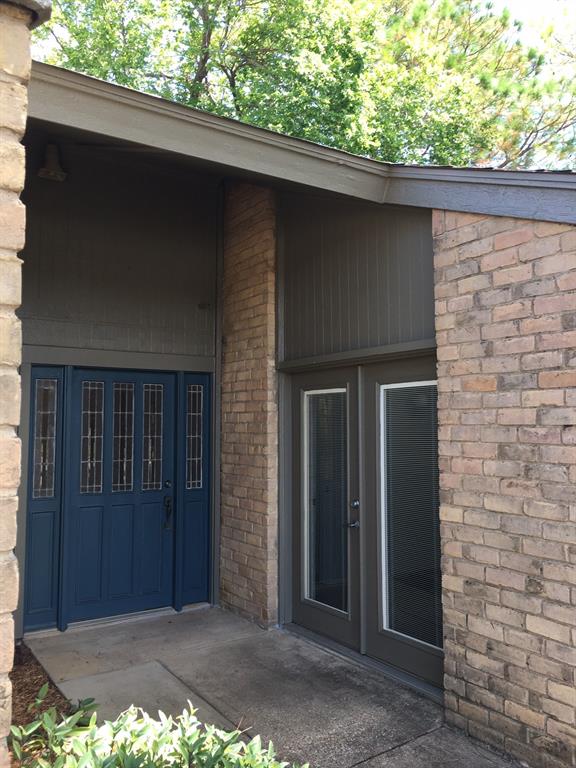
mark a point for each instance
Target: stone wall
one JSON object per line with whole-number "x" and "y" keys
{"x": 249, "y": 515}
{"x": 506, "y": 333}
{"x": 14, "y": 75}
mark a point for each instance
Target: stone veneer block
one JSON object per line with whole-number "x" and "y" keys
{"x": 14, "y": 75}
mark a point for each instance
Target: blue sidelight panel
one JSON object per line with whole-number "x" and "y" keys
{"x": 44, "y": 498}
{"x": 195, "y": 494}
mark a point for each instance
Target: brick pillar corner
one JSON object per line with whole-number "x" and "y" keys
{"x": 249, "y": 455}
{"x": 506, "y": 338}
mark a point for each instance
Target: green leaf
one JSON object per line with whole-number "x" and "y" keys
{"x": 43, "y": 692}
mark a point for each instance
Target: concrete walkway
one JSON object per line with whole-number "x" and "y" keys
{"x": 313, "y": 704}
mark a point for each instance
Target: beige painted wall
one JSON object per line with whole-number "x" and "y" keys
{"x": 121, "y": 255}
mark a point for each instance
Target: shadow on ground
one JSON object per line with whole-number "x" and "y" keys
{"x": 315, "y": 705}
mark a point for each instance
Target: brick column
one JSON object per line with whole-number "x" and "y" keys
{"x": 506, "y": 334}
{"x": 15, "y": 20}
{"x": 249, "y": 471}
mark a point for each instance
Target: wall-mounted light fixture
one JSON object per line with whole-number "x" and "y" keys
{"x": 52, "y": 170}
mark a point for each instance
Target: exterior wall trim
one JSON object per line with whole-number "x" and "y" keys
{"x": 358, "y": 356}
{"x": 108, "y": 358}
{"x": 66, "y": 98}
{"x": 73, "y": 357}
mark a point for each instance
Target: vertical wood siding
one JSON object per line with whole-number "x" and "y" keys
{"x": 355, "y": 275}
{"x": 120, "y": 256}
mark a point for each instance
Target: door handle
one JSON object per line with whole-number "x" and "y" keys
{"x": 352, "y": 524}
{"x": 167, "y": 512}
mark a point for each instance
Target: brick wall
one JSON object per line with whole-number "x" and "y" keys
{"x": 248, "y": 558}
{"x": 14, "y": 75}
{"x": 506, "y": 333}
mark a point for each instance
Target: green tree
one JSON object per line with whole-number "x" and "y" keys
{"x": 424, "y": 81}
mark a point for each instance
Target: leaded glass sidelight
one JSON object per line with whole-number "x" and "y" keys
{"x": 152, "y": 437}
{"x": 92, "y": 437}
{"x": 45, "y": 405}
{"x": 325, "y": 497}
{"x": 194, "y": 435}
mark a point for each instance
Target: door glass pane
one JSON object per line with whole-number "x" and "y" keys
{"x": 152, "y": 437}
{"x": 92, "y": 437}
{"x": 44, "y": 438}
{"x": 194, "y": 412}
{"x": 410, "y": 518}
{"x": 326, "y": 497}
{"x": 123, "y": 443}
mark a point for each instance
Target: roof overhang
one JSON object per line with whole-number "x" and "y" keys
{"x": 64, "y": 98}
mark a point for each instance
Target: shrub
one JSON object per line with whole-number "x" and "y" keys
{"x": 134, "y": 740}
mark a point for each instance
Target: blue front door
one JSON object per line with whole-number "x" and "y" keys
{"x": 120, "y": 493}
{"x": 119, "y": 519}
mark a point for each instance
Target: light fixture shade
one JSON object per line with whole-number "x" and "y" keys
{"x": 52, "y": 170}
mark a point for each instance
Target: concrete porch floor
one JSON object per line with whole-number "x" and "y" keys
{"x": 315, "y": 705}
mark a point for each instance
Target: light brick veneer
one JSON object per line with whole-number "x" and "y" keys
{"x": 506, "y": 334}
{"x": 249, "y": 483}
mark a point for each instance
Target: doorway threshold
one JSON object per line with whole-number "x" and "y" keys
{"x": 110, "y": 621}
{"x": 398, "y": 675}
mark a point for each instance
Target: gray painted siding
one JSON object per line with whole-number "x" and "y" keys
{"x": 121, "y": 256}
{"x": 354, "y": 276}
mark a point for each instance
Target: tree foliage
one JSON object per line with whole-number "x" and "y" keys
{"x": 418, "y": 81}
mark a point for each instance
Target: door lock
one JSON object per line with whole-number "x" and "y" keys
{"x": 355, "y": 504}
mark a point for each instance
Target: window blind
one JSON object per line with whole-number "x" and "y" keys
{"x": 411, "y": 535}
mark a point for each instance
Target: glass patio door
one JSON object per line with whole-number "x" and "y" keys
{"x": 326, "y": 541}
{"x": 366, "y": 547}
{"x": 403, "y": 623}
